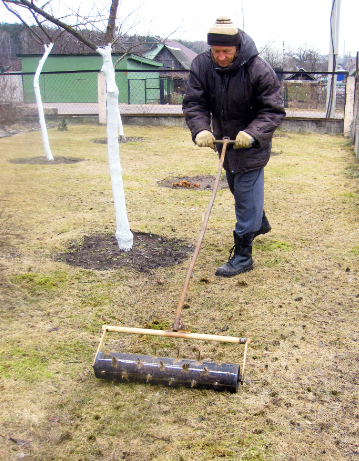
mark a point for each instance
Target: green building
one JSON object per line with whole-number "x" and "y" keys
{"x": 73, "y": 78}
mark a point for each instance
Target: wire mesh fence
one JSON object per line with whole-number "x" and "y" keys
{"x": 158, "y": 92}
{"x": 313, "y": 94}
{"x": 355, "y": 126}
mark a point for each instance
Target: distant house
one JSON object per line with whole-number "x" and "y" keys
{"x": 188, "y": 52}
{"x": 175, "y": 57}
{"x": 342, "y": 73}
{"x": 301, "y": 88}
{"x": 80, "y": 83}
{"x": 301, "y": 75}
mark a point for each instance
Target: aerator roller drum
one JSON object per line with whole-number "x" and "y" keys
{"x": 167, "y": 371}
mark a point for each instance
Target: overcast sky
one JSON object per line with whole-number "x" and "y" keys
{"x": 296, "y": 23}
{"x": 302, "y": 22}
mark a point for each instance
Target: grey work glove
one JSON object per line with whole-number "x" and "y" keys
{"x": 243, "y": 139}
{"x": 205, "y": 139}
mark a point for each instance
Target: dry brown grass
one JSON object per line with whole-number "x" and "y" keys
{"x": 299, "y": 305}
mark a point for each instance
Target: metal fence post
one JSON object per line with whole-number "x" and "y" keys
{"x": 349, "y": 106}
{"x": 355, "y": 125}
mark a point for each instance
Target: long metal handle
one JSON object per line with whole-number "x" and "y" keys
{"x": 177, "y": 323}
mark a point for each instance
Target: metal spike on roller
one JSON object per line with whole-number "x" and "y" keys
{"x": 168, "y": 371}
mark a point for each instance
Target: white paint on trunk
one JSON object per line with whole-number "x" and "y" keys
{"x": 45, "y": 138}
{"x": 124, "y": 235}
{"x": 120, "y": 126}
{"x": 101, "y": 91}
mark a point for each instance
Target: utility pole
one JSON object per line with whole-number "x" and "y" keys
{"x": 242, "y": 14}
{"x": 283, "y": 55}
{"x": 333, "y": 58}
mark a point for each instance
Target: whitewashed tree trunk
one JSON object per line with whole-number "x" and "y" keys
{"x": 45, "y": 138}
{"x": 101, "y": 97}
{"x": 124, "y": 235}
{"x": 120, "y": 126}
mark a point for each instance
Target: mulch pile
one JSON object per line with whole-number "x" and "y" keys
{"x": 205, "y": 182}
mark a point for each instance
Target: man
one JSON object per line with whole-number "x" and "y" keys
{"x": 231, "y": 88}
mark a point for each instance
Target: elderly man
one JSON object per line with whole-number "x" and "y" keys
{"x": 235, "y": 92}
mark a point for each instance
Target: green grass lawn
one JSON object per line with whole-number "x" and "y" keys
{"x": 299, "y": 305}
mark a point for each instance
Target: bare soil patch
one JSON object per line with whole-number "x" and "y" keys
{"x": 149, "y": 252}
{"x": 205, "y": 182}
{"x": 44, "y": 161}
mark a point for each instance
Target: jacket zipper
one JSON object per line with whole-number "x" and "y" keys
{"x": 223, "y": 95}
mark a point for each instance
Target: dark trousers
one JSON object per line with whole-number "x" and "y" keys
{"x": 248, "y": 192}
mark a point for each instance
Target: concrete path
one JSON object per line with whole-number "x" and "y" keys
{"x": 159, "y": 109}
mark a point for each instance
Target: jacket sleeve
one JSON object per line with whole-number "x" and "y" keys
{"x": 267, "y": 100}
{"x": 195, "y": 104}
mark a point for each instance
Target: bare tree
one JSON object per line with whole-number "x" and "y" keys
{"x": 305, "y": 58}
{"x": 272, "y": 56}
{"x": 309, "y": 58}
{"x": 44, "y": 37}
{"x": 124, "y": 235}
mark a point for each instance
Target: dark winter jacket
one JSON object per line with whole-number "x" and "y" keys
{"x": 243, "y": 96}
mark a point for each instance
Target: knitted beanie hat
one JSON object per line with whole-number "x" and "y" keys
{"x": 223, "y": 33}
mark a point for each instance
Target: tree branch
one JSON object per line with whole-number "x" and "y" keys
{"x": 30, "y": 5}
{"x": 34, "y": 34}
{"x": 42, "y": 27}
{"x": 111, "y": 26}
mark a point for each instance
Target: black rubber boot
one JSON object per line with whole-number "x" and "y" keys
{"x": 240, "y": 257}
{"x": 265, "y": 227}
